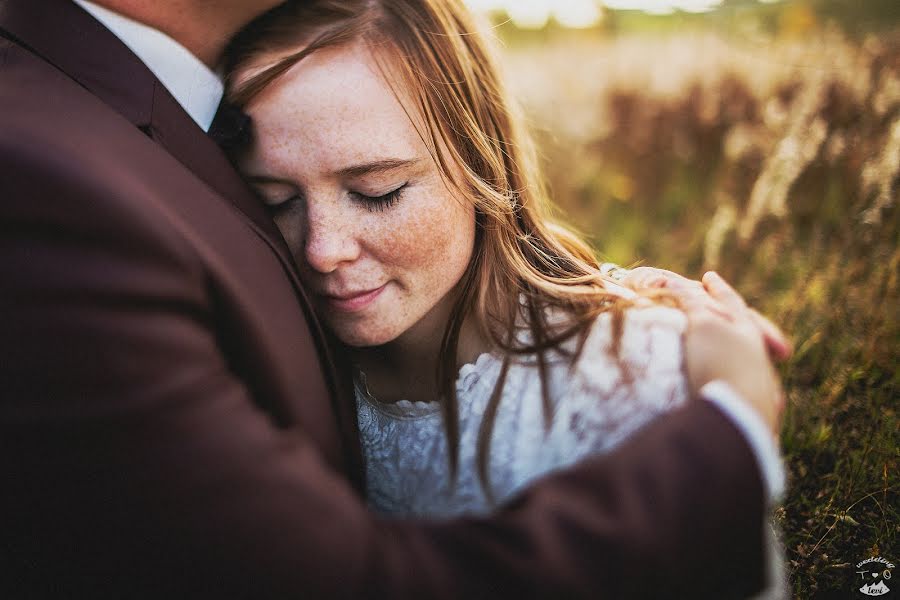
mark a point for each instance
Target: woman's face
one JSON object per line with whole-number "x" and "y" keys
{"x": 380, "y": 239}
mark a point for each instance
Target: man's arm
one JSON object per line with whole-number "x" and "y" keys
{"x": 136, "y": 464}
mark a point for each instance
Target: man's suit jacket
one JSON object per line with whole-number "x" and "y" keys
{"x": 172, "y": 423}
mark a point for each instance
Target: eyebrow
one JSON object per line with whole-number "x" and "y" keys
{"x": 378, "y": 166}
{"x": 360, "y": 170}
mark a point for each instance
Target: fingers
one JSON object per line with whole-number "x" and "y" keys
{"x": 778, "y": 345}
{"x": 713, "y": 295}
{"x": 719, "y": 289}
{"x": 706, "y": 321}
{"x": 650, "y": 277}
{"x": 700, "y": 306}
{"x": 690, "y": 293}
{"x": 692, "y": 296}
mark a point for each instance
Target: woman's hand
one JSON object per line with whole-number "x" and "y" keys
{"x": 722, "y": 342}
{"x": 644, "y": 278}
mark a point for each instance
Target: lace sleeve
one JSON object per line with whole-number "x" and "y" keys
{"x": 611, "y": 395}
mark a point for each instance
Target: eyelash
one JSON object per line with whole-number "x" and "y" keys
{"x": 380, "y": 203}
{"x": 371, "y": 203}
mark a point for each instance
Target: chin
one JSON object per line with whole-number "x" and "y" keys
{"x": 364, "y": 337}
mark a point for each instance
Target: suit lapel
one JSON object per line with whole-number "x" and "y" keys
{"x": 82, "y": 48}
{"x": 65, "y": 36}
{"x": 75, "y": 43}
{"x": 173, "y": 128}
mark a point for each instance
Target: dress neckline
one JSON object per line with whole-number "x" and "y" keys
{"x": 468, "y": 375}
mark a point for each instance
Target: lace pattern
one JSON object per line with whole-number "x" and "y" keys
{"x": 597, "y": 402}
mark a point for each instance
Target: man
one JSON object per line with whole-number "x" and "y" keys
{"x": 173, "y": 423}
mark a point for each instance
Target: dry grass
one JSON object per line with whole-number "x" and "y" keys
{"x": 776, "y": 162}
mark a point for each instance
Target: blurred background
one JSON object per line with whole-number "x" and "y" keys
{"x": 760, "y": 139}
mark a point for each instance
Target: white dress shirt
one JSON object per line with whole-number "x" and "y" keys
{"x": 196, "y": 87}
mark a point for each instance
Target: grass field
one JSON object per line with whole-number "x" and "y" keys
{"x": 774, "y": 159}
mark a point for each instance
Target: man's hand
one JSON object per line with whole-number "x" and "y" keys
{"x": 722, "y": 342}
{"x": 643, "y": 278}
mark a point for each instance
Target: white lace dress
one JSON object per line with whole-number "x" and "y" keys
{"x": 597, "y": 402}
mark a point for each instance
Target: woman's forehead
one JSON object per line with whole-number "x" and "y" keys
{"x": 339, "y": 102}
{"x": 339, "y": 77}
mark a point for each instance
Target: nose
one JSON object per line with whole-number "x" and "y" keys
{"x": 330, "y": 237}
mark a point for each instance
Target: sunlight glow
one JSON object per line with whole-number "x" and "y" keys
{"x": 662, "y": 7}
{"x": 535, "y": 14}
{"x": 529, "y": 14}
{"x": 577, "y": 13}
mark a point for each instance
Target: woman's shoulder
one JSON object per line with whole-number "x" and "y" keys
{"x": 627, "y": 373}
{"x": 641, "y": 333}
{"x": 640, "y": 354}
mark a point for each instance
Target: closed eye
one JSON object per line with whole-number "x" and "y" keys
{"x": 379, "y": 203}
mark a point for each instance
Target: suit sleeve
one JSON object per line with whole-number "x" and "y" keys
{"x": 135, "y": 464}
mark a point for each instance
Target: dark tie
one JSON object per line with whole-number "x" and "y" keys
{"x": 231, "y": 128}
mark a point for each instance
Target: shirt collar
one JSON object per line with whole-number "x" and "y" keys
{"x": 194, "y": 86}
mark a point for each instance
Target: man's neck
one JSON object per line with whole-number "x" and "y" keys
{"x": 203, "y": 28}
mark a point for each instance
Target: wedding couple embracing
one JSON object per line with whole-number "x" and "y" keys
{"x": 346, "y": 351}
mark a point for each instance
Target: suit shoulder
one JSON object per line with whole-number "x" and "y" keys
{"x": 71, "y": 164}
{"x": 41, "y": 106}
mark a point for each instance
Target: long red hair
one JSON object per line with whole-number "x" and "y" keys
{"x": 525, "y": 265}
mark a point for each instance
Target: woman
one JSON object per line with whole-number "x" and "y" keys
{"x": 489, "y": 348}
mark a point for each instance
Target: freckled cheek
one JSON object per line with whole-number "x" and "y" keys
{"x": 426, "y": 237}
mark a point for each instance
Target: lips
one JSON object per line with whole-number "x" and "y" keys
{"x": 352, "y": 301}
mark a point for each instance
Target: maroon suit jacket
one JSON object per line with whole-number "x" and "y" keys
{"x": 172, "y": 424}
